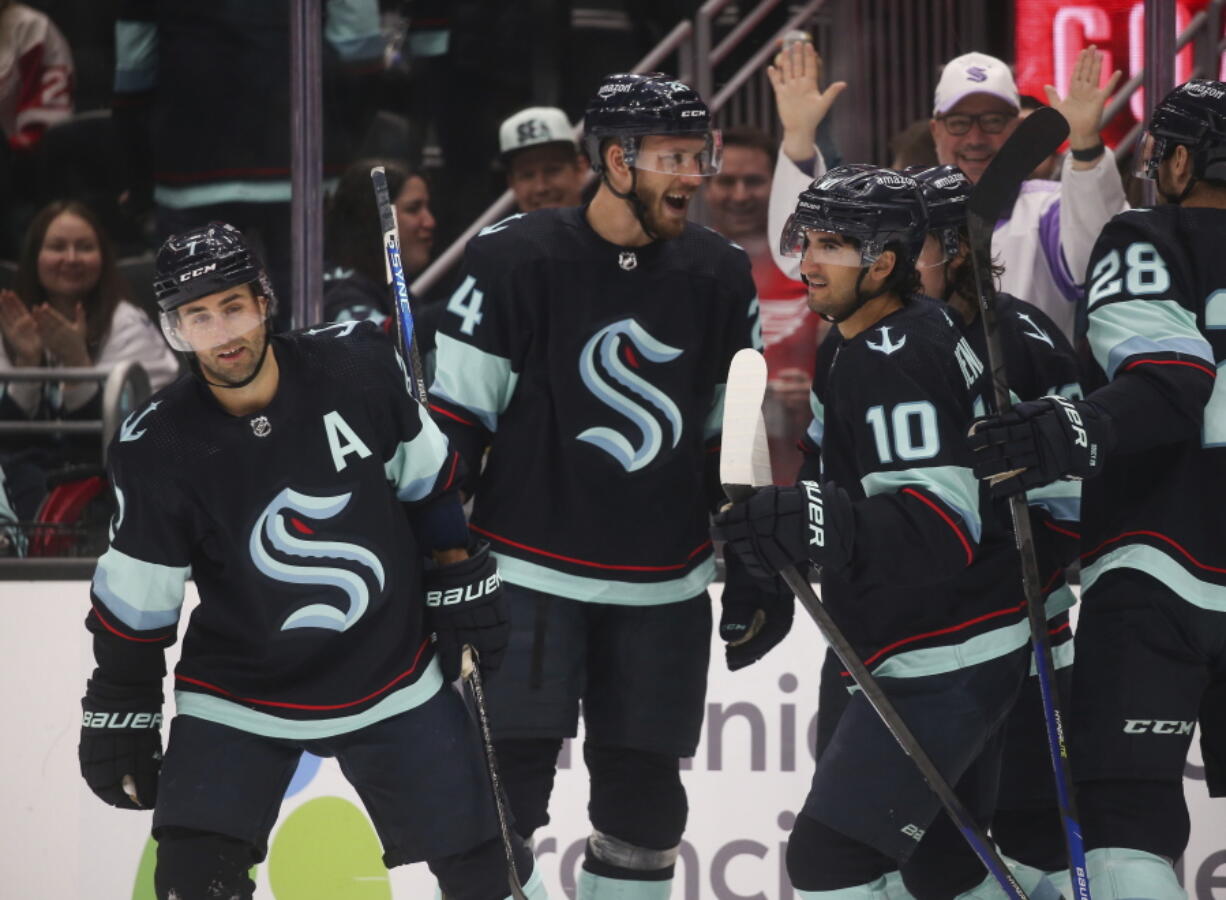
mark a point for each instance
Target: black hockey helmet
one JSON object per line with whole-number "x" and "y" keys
{"x": 875, "y": 206}
{"x": 946, "y": 191}
{"x": 1194, "y": 115}
{"x": 205, "y": 260}
{"x": 630, "y": 106}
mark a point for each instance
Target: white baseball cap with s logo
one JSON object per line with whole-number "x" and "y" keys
{"x": 974, "y": 73}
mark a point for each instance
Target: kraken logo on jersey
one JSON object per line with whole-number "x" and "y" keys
{"x": 272, "y": 531}
{"x": 605, "y": 347}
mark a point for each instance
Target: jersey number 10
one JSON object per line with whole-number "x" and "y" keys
{"x": 911, "y": 430}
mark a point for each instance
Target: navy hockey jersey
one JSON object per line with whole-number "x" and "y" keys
{"x": 290, "y": 521}
{"x": 594, "y": 374}
{"x": 920, "y": 596}
{"x": 1157, "y": 314}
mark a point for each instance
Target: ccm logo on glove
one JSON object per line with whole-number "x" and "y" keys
{"x": 817, "y": 514}
{"x": 466, "y": 593}
{"x": 121, "y": 720}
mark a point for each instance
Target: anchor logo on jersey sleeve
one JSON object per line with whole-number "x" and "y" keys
{"x": 613, "y": 351}
{"x": 304, "y": 559}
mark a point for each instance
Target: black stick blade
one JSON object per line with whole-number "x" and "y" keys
{"x": 1035, "y": 138}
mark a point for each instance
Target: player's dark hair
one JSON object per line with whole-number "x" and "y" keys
{"x": 960, "y": 279}
{"x": 101, "y": 300}
{"x": 354, "y": 236}
{"x": 904, "y": 279}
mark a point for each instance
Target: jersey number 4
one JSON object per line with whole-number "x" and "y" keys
{"x": 910, "y": 429}
{"x": 466, "y": 303}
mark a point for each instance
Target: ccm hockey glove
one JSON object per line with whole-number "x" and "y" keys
{"x": 464, "y": 605}
{"x": 779, "y": 527}
{"x": 121, "y": 742}
{"x": 1038, "y": 442}
{"x": 757, "y": 614}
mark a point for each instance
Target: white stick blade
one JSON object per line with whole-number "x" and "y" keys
{"x": 744, "y": 454}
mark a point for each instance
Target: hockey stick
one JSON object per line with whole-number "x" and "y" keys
{"x": 745, "y": 465}
{"x": 470, "y": 671}
{"x": 1035, "y": 138}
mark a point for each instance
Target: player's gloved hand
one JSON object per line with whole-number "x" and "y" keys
{"x": 1038, "y": 442}
{"x": 464, "y": 605}
{"x": 757, "y": 614}
{"x": 121, "y": 742}
{"x": 779, "y": 527}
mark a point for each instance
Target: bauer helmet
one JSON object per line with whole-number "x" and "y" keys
{"x": 1194, "y": 115}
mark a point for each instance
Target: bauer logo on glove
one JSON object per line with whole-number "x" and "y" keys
{"x": 466, "y": 593}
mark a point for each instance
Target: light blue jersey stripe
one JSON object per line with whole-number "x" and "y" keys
{"x": 414, "y": 468}
{"x": 1060, "y": 498}
{"x": 817, "y": 427}
{"x": 954, "y": 485}
{"x": 1128, "y": 328}
{"x": 601, "y": 590}
{"x": 212, "y": 708}
{"x": 136, "y": 57}
{"x": 1160, "y": 566}
{"x": 480, "y": 382}
{"x": 141, "y": 595}
{"x": 353, "y": 29}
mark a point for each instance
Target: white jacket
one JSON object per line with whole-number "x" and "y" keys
{"x": 1044, "y": 244}
{"x": 132, "y": 336}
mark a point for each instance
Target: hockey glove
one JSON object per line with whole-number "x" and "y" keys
{"x": 121, "y": 742}
{"x": 464, "y": 605}
{"x": 779, "y": 527}
{"x": 1038, "y": 442}
{"x": 757, "y": 614}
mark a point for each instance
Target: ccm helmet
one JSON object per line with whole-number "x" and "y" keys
{"x": 628, "y": 107}
{"x": 946, "y": 190}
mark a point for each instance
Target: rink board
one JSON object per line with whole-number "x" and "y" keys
{"x": 750, "y": 774}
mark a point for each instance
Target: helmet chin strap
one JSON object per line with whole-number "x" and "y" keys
{"x": 198, "y": 370}
{"x": 632, "y": 198}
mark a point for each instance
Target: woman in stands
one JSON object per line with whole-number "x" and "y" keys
{"x": 69, "y": 309}
{"x": 356, "y": 284}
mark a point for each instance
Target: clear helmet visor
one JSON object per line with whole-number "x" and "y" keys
{"x": 681, "y": 154}
{"x": 1149, "y": 154}
{"x": 826, "y": 248}
{"x": 940, "y": 246}
{"x": 195, "y": 328}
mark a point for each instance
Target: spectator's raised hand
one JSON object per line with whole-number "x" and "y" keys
{"x": 63, "y": 337}
{"x": 1084, "y": 102}
{"x": 802, "y": 104}
{"x": 21, "y": 332}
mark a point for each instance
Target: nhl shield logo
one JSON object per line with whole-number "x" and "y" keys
{"x": 261, "y": 426}
{"x": 628, "y": 260}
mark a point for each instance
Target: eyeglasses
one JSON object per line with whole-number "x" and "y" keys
{"x": 989, "y": 123}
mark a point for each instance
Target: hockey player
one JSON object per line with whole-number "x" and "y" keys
{"x": 275, "y": 478}
{"x": 907, "y": 551}
{"x": 587, "y": 348}
{"x": 1152, "y": 631}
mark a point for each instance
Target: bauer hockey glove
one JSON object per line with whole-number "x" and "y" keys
{"x": 121, "y": 742}
{"x": 779, "y": 527}
{"x": 464, "y": 605}
{"x": 757, "y": 614}
{"x": 1038, "y": 442}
